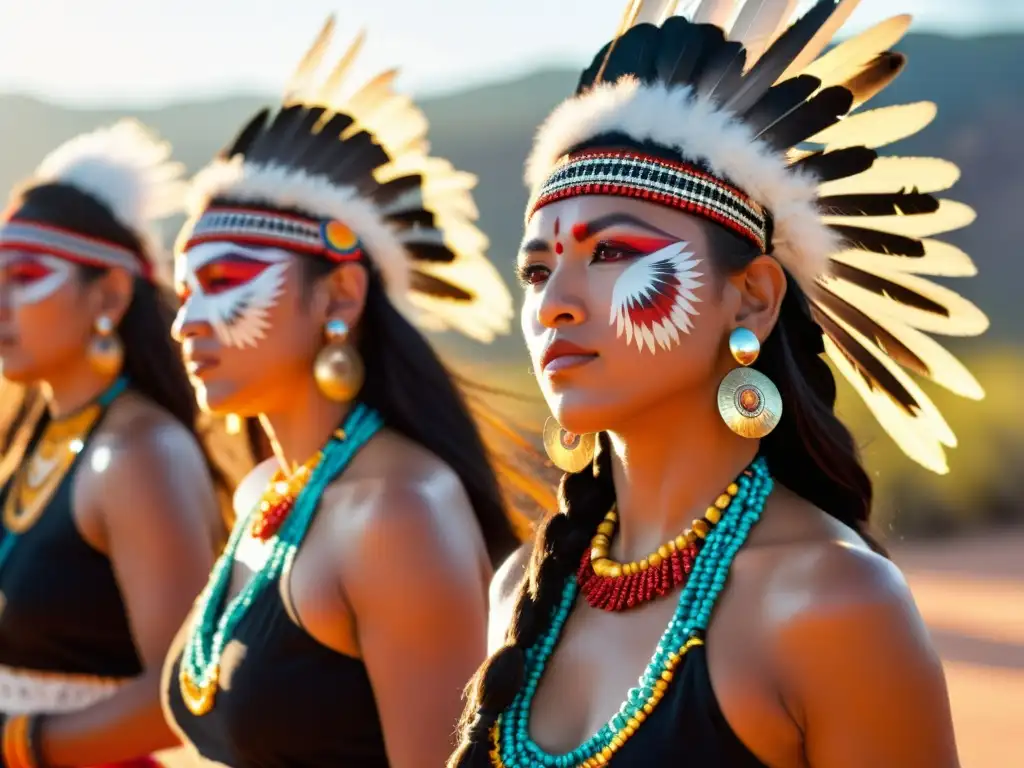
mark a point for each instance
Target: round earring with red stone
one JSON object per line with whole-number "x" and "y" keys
{"x": 748, "y": 401}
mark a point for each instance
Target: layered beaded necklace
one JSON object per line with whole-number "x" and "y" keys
{"x": 38, "y": 478}
{"x": 614, "y": 586}
{"x": 216, "y": 619}
{"x": 512, "y": 745}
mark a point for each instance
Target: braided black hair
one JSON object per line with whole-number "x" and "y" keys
{"x": 810, "y": 452}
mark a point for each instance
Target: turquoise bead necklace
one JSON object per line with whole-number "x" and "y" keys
{"x": 214, "y": 624}
{"x": 516, "y": 749}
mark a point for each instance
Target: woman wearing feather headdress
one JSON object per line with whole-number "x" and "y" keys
{"x": 110, "y": 517}
{"x": 346, "y": 613}
{"x": 704, "y": 210}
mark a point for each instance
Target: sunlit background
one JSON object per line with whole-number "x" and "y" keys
{"x": 487, "y": 73}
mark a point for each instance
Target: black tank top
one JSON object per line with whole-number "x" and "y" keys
{"x": 687, "y": 727}
{"x": 62, "y": 610}
{"x": 290, "y": 701}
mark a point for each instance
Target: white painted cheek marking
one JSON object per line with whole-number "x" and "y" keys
{"x": 238, "y": 316}
{"x": 653, "y": 299}
{"x": 43, "y": 288}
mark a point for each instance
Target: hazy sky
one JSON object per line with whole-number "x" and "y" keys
{"x": 102, "y": 51}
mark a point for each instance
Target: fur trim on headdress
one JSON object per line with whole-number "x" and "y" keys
{"x": 127, "y": 168}
{"x": 699, "y": 130}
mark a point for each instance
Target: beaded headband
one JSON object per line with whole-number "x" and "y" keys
{"x": 645, "y": 177}
{"x": 330, "y": 239}
{"x": 348, "y": 175}
{"x": 37, "y": 237}
{"x": 757, "y": 101}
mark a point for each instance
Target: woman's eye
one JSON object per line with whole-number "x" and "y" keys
{"x": 532, "y": 274}
{"x": 611, "y": 252}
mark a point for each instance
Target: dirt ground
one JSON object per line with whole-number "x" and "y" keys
{"x": 971, "y": 593}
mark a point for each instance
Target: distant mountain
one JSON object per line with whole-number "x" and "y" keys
{"x": 487, "y": 130}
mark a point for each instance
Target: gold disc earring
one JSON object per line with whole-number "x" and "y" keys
{"x": 105, "y": 352}
{"x": 338, "y": 368}
{"x": 568, "y": 451}
{"x": 748, "y": 401}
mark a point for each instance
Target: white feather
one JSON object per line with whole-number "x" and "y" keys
{"x": 126, "y": 168}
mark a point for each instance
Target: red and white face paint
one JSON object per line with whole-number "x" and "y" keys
{"x": 29, "y": 278}
{"x": 232, "y": 288}
{"x": 654, "y": 297}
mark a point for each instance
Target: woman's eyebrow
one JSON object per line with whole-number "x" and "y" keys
{"x": 585, "y": 230}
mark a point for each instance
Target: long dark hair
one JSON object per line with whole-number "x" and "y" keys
{"x": 418, "y": 397}
{"x": 152, "y": 360}
{"x": 810, "y": 452}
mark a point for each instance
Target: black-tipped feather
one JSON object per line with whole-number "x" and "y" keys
{"x": 875, "y": 76}
{"x": 294, "y": 144}
{"x": 885, "y": 243}
{"x": 433, "y": 286}
{"x": 879, "y": 204}
{"x": 312, "y": 150}
{"x": 875, "y": 375}
{"x": 868, "y": 328}
{"x": 762, "y": 76}
{"x": 268, "y": 145}
{"x": 823, "y": 110}
{"x": 429, "y": 252}
{"x": 244, "y": 139}
{"x": 887, "y": 288}
{"x": 390, "y": 191}
{"x": 683, "y": 49}
{"x": 780, "y": 101}
{"x": 633, "y": 55}
{"x": 415, "y": 217}
{"x": 722, "y": 71}
{"x": 838, "y": 164}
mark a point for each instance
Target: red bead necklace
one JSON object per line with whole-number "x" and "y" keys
{"x": 279, "y": 498}
{"x": 614, "y": 586}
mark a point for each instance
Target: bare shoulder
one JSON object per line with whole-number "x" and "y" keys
{"x": 509, "y": 575}
{"x": 503, "y": 593}
{"x": 841, "y": 620}
{"x": 139, "y": 434}
{"x": 146, "y": 472}
{"x": 397, "y": 495}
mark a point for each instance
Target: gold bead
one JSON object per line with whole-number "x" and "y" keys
{"x": 639, "y": 716}
{"x": 649, "y": 706}
{"x": 614, "y": 570}
{"x": 681, "y": 541}
{"x": 733, "y": 489}
{"x": 633, "y": 723}
{"x": 655, "y": 559}
{"x": 660, "y": 685}
{"x": 600, "y": 541}
{"x": 723, "y": 501}
{"x": 643, "y": 564}
{"x": 691, "y": 536}
{"x": 606, "y": 753}
{"x": 713, "y": 515}
{"x": 606, "y": 528}
{"x": 664, "y": 551}
{"x": 666, "y": 676}
{"x": 700, "y": 528}
{"x": 618, "y": 741}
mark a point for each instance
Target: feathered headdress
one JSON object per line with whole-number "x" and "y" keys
{"x": 125, "y": 168}
{"x": 775, "y": 146}
{"x": 350, "y": 178}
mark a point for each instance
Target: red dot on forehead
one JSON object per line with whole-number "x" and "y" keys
{"x": 580, "y": 232}
{"x": 559, "y": 248}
